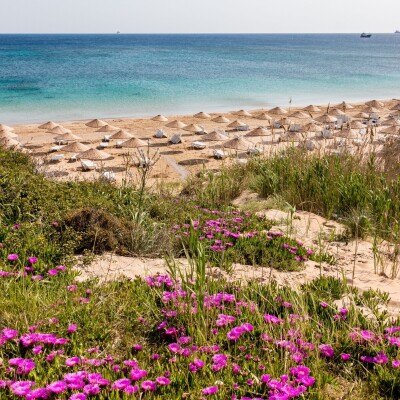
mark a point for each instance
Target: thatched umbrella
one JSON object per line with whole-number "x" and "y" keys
{"x": 336, "y": 112}
{"x": 93, "y": 155}
{"x": 391, "y": 130}
{"x": 371, "y": 110}
{"x": 221, "y": 119}
{"x": 312, "y": 127}
{"x": 347, "y": 133}
{"x": 299, "y": 115}
{"x": 121, "y": 135}
{"x": 160, "y": 118}
{"x": 96, "y": 123}
{"x": 59, "y": 130}
{"x": 67, "y": 137}
{"x": 236, "y": 124}
{"x": 312, "y": 109}
{"x": 277, "y": 111}
{"x": 344, "y": 106}
{"x": 176, "y": 124}
{"x": 264, "y": 116}
{"x": 215, "y": 136}
{"x": 375, "y": 104}
{"x": 243, "y": 113}
{"x": 75, "y": 147}
{"x": 202, "y": 115}
{"x": 291, "y": 137}
{"x": 193, "y": 128}
{"x": 284, "y": 121}
{"x": 260, "y": 131}
{"x": 326, "y": 119}
{"x": 362, "y": 115}
{"x": 391, "y": 121}
{"x": 357, "y": 125}
{"x": 48, "y": 125}
{"x": 396, "y": 107}
{"x": 8, "y": 134}
{"x": 9, "y": 142}
{"x": 108, "y": 128}
{"x": 238, "y": 143}
{"x": 134, "y": 143}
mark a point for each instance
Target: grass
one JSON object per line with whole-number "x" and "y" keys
{"x": 186, "y": 335}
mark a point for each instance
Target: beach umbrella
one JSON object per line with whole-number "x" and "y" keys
{"x": 93, "y": 155}
{"x": 215, "y": 136}
{"x": 277, "y": 111}
{"x": 312, "y": 127}
{"x": 6, "y": 128}
{"x": 176, "y": 124}
{"x": 291, "y": 137}
{"x": 48, "y": 125}
{"x": 312, "y": 109}
{"x": 221, "y": 120}
{"x": 134, "y": 143}
{"x": 326, "y": 119}
{"x": 336, "y": 112}
{"x": 260, "y": 131}
{"x": 160, "y": 118}
{"x": 375, "y": 104}
{"x": 9, "y": 142}
{"x": 96, "y": 123}
{"x": 107, "y": 128}
{"x": 299, "y": 115}
{"x": 362, "y": 115}
{"x": 67, "y": 137}
{"x": 75, "y": 147}
{"x": 391, "y": 121}
{"x": 121, "y": 134}
{"x": 236, "y": 124}
{"x": 347, "y": 133}
{"x": 202, "y": 115}
{"x": 284, "y": 121}
{"x": 357, "y": 125}
{"x": 59, "y": 130}
{"x": 193, "y": 128}
{"x": 371, "y": 110}
{"x": 8, "y": 134}
{"x": 344, "y": 106}
{"x": 396, "y": 107}
{"x": 243, "y": 113}
{"x": 238, "y": 143}
{"x": 264, "y": 116}
{"x": 391, "y": 130}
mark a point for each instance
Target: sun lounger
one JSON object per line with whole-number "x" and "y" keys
{"x": 327, "y": 134}
{"x": 55, "y": 148}
{"x": 219, "y": 154}
{"x": 106, "y": 138}
{"x": 254, "y": 151}
{"x": 103, "y": 145}
{"x": 243, "y": 128}
{"x": 176, "y": 139}
{"x": 118, "y": 144}
{"x": 88, "y": 165}
{"x": 160, "y": 134}
{"x": 199, "y": 145}
{"x": 57, "y": 158}
{"x": 73, "y": 158}
{"x": 108, "y": 176}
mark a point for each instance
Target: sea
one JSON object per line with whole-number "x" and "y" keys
{"x": 76, "y": 77}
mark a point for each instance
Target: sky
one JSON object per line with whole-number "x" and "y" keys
{"x": 195, "y": 16}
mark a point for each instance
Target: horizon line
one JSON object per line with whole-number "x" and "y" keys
{"x": 192, "y": 33}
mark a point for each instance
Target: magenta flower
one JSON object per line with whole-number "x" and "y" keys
{"x": 52, "y": 272}
{"x": 396, "y": 363}
{"x": 12, "y": 257}
{"x": 32, "y": 260}
{"x": 163, "y": 381}
{"x": 70, "y": 362}
{"x": 21, "y": 388}
{"x": 209, "y": 390}
{"x": 24, "y": 365}
{"x": 345, "y": 356}
{"x": 326, "y": 350}
{"x": 91, "y": 389}
{"x": 137, "y": 374}
{"x": 78, "y": 396}
{"x": 57, "y": 387}
{"x": 8, "y": 333}
{"x": 71, "y": 328}
{"x": 148, "y": 386}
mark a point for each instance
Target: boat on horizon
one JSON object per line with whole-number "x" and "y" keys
{"x": 365, "y": 35}
{"x": 397, "y": 31}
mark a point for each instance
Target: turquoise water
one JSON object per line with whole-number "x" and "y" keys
{"x": 71, "y": 77}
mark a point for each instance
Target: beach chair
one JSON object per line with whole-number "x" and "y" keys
{"x": 243, "y": 128}
{"x": 160, "y": 134}
{"x": 199, "y": 145}
{"x": 219, "y": 154}
{"x": 176, "y": 139}
{"x": 55, "y": 148}
{"x": 118, "y": 144}
{"x": 103, "y": 145}
{"x": 327, "y": 134}
{"x": 277, "y": 125}
{"x": 106, "y": 138}
{"x": 253, "y": 151}
{"x": 57, "y": 158}
{"x": 88, "y": 165}
{"x": 73, "y": 158}
{"x": 108, "y": 176}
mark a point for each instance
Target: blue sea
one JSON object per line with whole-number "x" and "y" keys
{"x": 73, "y": 77}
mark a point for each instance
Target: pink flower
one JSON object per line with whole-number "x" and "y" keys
{"x": 12, "y": 257}
{"x": 326, "y": 350}
{"x": 210, "y": 390}
{"x": 91, "y": 389}
{"x": 163, "y": 381}
{"x": 396, "y": 363}
{"x": 70, "y": 362}
{"x": 71, "y": 328}
{"x": 137, "y": 374}
{"x": 148, "y": 386}
{"x": 78, "y": 396}
{"x": 32, "y": 260}
{"x": 57, "y": 387}
{"x": 52, "y": 272}
{"x": 345, "y": 356}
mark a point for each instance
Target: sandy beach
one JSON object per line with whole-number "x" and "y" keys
{"x": 178, "y": 161}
